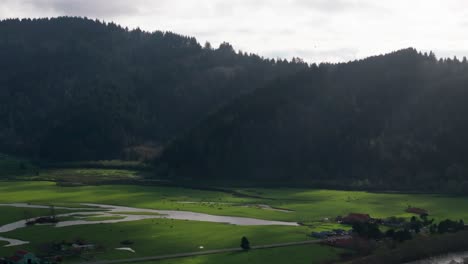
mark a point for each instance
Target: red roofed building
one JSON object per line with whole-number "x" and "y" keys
{"x": 24, "y": 257}
{"x": 417, "y": 211}
{"x": 356, "y": 218}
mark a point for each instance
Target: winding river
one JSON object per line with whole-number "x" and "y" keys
{"x": 128, "y": 214}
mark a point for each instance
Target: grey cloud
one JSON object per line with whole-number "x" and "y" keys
{"x": 91, "y": 8}
{"x": 442, "y": 53}
{"x": 230, "y": 8}
{"x": 316, "y": 30}
{"x": 223, "y": 8}
{"x": 333, "y": 6}
{"x": 463, "y": 23}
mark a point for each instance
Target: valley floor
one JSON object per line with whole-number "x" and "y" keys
{"x": 315, "y": 209}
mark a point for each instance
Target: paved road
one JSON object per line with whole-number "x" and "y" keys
{"x": 199, "y": 253}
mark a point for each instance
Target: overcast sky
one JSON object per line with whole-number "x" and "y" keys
{"x": 315, "y": 30}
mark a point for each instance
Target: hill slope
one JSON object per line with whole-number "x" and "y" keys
{"x": 78, "y": 89}
{"x": 393, "y": 121}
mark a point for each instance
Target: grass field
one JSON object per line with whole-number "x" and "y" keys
{"x": 11, "y": 214}
{"x": 310, "y": 254}
{"x": 91, "y": 172}
{"x": 158, "y": 236}
{"x": 83, "y": 175}
{"x": 165, "y": 236}
{"x": 307, "y": 205}
{"x": 103, "y": 164}
{"x": 12, "y": 166}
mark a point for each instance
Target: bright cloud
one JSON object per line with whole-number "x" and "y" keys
{"x": 316, "y": 30}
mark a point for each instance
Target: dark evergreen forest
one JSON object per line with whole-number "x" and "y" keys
{"x": 74, "y": 89}
{"x": 79, "y": 89}
{"x": 396, "y": 121}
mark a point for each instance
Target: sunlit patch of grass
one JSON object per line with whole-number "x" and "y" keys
{"x": 308, "y": 206}
{"x": 11, "y": 214}
{"x": 158, "y": 236}
{"x": 315, "y": 208}
{"x": 88, "y": 175}
{"x": 292, "y": 255}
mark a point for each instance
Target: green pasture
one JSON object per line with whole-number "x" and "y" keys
{"x": 12, "y": 214}
{"x": 12, "y": 166}
{"x": 82, "y": 175}
{"x": 156, "y": 236}
{"x": 165, "y": 236}
{"x": 311, "y": 254}
{"x": 307, "y": 206}
{"x": 312, "y": 205}
{"x": 91, "y": 172}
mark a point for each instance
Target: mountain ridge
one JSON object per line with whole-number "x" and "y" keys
{"x": 75, "y": 89}
{"x": 364, "y": 123}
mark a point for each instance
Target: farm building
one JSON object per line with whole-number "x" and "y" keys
{"x": 24, "y": 257}
{"x": 356, "y": 218}
{"x": 417, "y": 211}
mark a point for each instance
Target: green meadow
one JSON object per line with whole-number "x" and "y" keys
{"x": 165, "y": 236}
{"x": 157, "y": 236}
{"x": 12, "y": 214}
{"x": 81, "y": 176}
{"x": 305, "y": 205}
{"x": 13, "y": 167}
{"x": 310, "y": 254}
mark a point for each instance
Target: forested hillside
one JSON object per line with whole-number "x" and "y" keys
{"x": 74, "y": 89}
{"x": 397, "y": 121}
{"x": 79, "y": 89}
